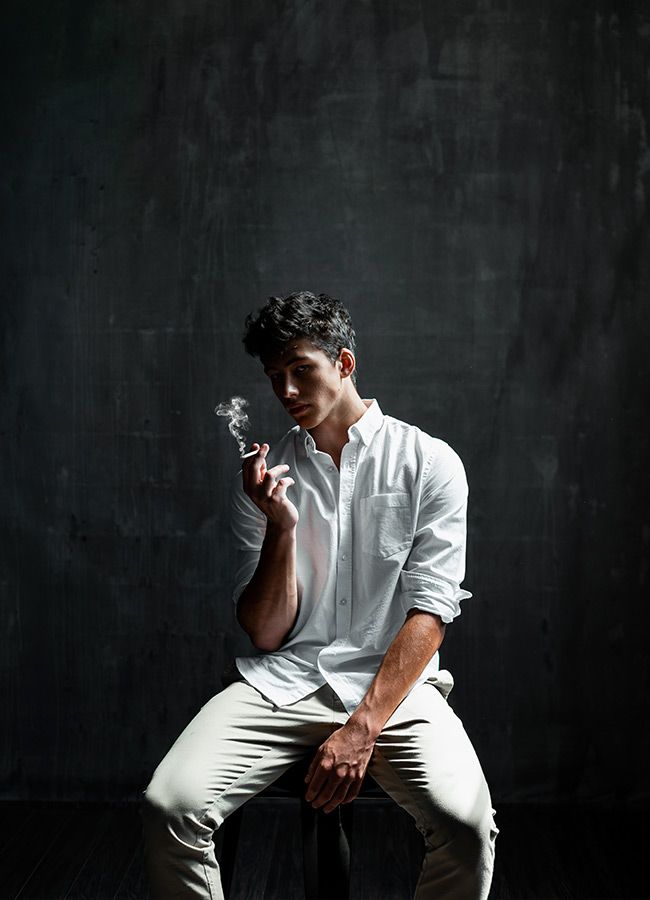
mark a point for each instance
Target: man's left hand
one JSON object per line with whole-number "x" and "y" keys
{"x": 338, "y": 768}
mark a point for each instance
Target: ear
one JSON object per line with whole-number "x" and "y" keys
{"x": 347, "y": 362}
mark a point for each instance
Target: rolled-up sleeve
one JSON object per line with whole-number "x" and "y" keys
{"x": 435, "y": 567}
{"x": 248, "y": 527}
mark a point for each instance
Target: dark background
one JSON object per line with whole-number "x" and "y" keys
{"x": 472, "y": 180}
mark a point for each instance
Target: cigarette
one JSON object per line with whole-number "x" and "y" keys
{"x": 247, "y": 455}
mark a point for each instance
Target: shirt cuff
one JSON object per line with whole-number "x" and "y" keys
{"x": 431, "y": 594}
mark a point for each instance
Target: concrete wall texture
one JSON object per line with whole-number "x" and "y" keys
{"x": 471, "y": 179}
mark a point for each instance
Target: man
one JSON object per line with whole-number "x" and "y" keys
{"x": 351, "y": 543}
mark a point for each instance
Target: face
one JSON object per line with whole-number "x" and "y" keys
{"x": 306, "y": 381}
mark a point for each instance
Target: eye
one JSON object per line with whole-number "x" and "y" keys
{"x": 301, "y": 369}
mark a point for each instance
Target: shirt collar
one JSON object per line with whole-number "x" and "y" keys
{"x": 364, "y": 428}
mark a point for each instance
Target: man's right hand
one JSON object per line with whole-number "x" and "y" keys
{"x": 268, "y": 490}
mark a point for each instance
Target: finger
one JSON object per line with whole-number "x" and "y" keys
{"x": 269, "y": 484}
{"x": 258, "y": 463}
{"x": 311, "y": 769}
{"x": 279, "y": 469}
{"x": 318, "y": 779}
{"x": 339, "y": 796}
{"x": 252, "y": 465}
{"x": 281, "y": 490}
{"x": 250, "y": 459}
{"x": 333, "y": 786}
{"x": 354, "y": 790}
{"x": 248, "y": 463}
{"x": 334, "y": 776}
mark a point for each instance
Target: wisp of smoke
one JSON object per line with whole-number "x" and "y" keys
{"x": 238, "y": 420}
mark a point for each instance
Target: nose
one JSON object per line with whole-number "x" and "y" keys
{"x": 288, "y": 390}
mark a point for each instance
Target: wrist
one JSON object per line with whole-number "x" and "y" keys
{"x": 366, "y": 723}
{"x": 278, "y": 531}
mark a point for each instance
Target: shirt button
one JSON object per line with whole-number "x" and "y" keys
{"x": 343, "y": 601}
{"x": 331, "y": 468}
{"x": 343, "y": 556}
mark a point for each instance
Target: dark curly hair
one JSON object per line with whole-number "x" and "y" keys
{"x": 320, "y": 319}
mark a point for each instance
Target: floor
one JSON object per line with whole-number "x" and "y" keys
{"x": 94, "y": 852}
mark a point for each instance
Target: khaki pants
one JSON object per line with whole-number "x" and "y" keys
{"x": 239, "y": 743}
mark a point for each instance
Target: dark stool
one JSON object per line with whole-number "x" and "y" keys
{"x": 326, "y": 837}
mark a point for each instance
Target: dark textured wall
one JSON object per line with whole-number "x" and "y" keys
{"x": 472, "y": 180}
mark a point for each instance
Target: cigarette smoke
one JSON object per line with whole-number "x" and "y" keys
{"x": 238, "y": 420}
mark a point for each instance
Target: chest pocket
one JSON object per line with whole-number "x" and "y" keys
{"x": 386, "y": 525}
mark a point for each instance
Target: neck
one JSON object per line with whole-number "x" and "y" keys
{"x": 332, "y": 434}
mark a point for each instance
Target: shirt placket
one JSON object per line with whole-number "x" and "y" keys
{"x": 344, "y": 562}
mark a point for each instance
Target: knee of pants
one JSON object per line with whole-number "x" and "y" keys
{"x": 176, "y": 802}
{"x": 472, "y": 839}
{"x": 478, "y": 837}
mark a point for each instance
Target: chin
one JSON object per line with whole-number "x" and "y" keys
{"x": 309, "y": 419}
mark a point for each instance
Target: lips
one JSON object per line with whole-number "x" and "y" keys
{"x": 298, "y": 408}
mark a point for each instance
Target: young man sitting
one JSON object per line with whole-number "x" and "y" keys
{"x": 351, "y": 541}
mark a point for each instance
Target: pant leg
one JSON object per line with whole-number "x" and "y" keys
{"x": 425, "y": 761}
{"x": 236, "y": 745}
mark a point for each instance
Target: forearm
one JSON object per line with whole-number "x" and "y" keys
{"x": 411, "y": 649}
{"x": 268, "y": 606}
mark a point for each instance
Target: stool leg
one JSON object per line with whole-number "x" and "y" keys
{"x": 309, "y": 827}
{"x": 347, "y": 823}
{"x": 333, "y": 857}
{"x": 326, "y": 852}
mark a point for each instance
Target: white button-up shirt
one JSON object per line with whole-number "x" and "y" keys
{"x": 383, "y": 535}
